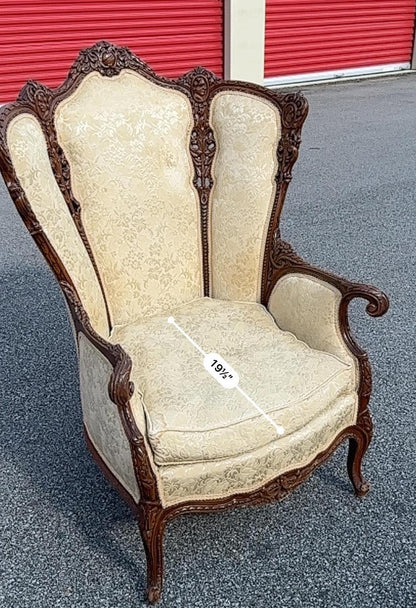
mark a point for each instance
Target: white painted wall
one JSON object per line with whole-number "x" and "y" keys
{"x": 244, "y": 23}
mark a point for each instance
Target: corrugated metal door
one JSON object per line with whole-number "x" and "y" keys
{"x": 312, "y": 36}
{"x": 39, "y": 39}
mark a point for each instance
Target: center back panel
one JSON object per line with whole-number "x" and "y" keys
{"x": 127, "y": 143}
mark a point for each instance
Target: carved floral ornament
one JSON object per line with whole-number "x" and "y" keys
{"x": 200, "y": 86}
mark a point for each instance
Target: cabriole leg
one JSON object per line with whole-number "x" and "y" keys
{"x": 152, "y": 527}
{"x": 357, "y": 448}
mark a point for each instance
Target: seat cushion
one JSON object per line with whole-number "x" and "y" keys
{"x": 208, "y": 480}
{"x": 192, "y": 418}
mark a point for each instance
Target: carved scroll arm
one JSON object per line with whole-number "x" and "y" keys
{"x": 120, "y": 388}
{"x": 312, "y": 309}
{"x": 120, "y": 391}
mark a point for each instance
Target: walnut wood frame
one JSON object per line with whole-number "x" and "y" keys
{"x": 200, "y": 86}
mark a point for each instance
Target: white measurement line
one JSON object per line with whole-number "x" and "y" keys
{"x": 179, "y": 328}
{"x": 279, "y": 429}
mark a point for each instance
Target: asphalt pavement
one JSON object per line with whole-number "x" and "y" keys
{"x": 67, "y": 538}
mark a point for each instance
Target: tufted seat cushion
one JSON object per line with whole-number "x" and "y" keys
{"x": 190, "y": 417}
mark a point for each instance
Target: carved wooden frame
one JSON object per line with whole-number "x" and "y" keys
{"x": 200, "y": 86}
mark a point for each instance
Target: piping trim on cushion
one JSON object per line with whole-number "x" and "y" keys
{"x": 254, "y": 416}
{"x": 247, "y": 489}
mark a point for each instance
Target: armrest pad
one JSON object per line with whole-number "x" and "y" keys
{"x": 101, "y": 416}
{"x": 120, "y": 387}
{"x": 309, "y": 308}
{"x": 313, "y": 303}
{"x": 107, "y": 367}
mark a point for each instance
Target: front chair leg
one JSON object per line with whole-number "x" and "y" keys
{"x": 152, "y": 527}
{"x": 357, "y": 448}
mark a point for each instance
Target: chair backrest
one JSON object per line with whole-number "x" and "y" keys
{"x": 145, "y": 192}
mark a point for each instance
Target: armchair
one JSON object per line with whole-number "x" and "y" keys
{"x": 152, "y": 198}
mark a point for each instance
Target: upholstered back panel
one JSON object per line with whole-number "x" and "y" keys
{"x": 127, "y": 143}
{"x": 247, "y": 131}
{"x": 30, "y": 159}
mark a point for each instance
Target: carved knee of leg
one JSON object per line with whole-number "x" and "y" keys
{"x": 357, "y": 448}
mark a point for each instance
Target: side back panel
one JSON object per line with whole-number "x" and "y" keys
{"x": 247, "y": 131}
{"x": 29, "y": 155}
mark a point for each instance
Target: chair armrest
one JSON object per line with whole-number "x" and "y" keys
{"x": 114, "y": 422}
{"x": 313, "y": 303}
{"x": 120, "y": 388}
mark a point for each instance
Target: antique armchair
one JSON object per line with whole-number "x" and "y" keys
{"x": 153, "y": 198}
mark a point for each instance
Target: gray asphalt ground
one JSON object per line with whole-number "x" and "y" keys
{"x": 67, "y": 538}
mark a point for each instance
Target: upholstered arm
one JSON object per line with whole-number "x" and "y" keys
{"x": 102, "y": 422}
{"x": 313, "y": 304}
{"x": 113, "y": 415}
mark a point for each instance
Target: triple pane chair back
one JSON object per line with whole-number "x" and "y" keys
{"x": 153, "y": 192}
{"x": 151, "y": 197}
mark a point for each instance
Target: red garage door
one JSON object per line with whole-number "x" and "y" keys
{"x": 312, "y": 36}
{"x": 39, "y": 39}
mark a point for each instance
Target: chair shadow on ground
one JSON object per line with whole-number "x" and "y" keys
{"x": 40, "y": 387}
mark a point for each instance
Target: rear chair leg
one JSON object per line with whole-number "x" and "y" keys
{"x": 357, "y": 448}
{"x": 152, "y": 527}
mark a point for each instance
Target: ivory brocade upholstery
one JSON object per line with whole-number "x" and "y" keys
{"x": 247, "y": 132}
{"x": 127, "y": 143}
{"x": 190, "y": 417}
{"x": 210, "y": 441}
{"x": 101, "y": 417}
{"x": 308, "y": 307}
{"x": 31, "y": 162}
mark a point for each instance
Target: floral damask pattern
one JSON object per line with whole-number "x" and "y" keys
{"x": 101, "y": 417}
{"x": 30, "y": 159}
{"x": 127, "y": 142}
{"x": 190, "y": 417}
{"x": 308, "y": 307}
{"x": 203, "y": 480}
{"x": 247, "y": 131}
